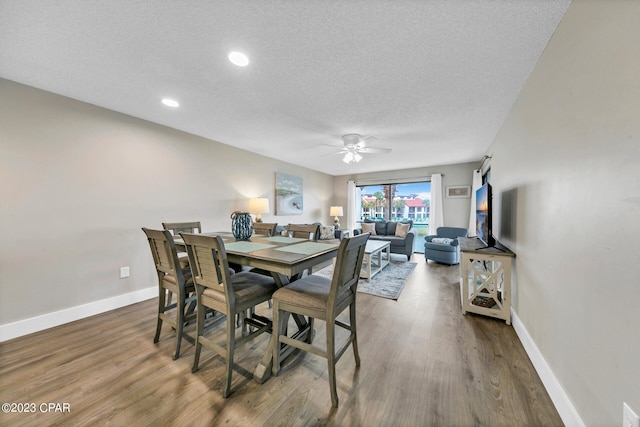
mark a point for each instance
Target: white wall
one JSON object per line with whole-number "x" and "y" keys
{"x": 566, "y": 178}
{"x": 77, "y": 183}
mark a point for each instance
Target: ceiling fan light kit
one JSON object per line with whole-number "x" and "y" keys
{"x": 352, "y": 157}
{"x": 354, "y": 145}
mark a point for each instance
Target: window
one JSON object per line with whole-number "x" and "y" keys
{"x": 395, "y": 202}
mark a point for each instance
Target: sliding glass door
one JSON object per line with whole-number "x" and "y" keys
{"x": 397, "y": 202}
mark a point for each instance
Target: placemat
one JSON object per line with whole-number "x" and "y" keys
{"x": 283, "y": 239}
{"x": 246, "y": 246}
{"x": 307, "y": 248}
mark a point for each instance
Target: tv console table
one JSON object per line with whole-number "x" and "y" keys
{"x": 485, "y": 278}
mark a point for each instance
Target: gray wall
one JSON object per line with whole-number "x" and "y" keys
{"x": 566, "y": 177}
{"x": 78, "y": 182}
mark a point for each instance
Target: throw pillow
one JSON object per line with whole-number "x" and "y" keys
{"x": 327, "y": 233}
{"x": 369, "y": 228}
{"x": 402, "y": 230}
{"x": 442, "y": 240}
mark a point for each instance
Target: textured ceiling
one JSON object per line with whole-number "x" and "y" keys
{"x": 432, "y": 80}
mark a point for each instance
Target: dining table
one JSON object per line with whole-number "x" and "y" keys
{"x": 286, "y": 258}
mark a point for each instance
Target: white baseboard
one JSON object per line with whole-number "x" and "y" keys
{"x": 565, "y": 408}
{"x": 49, "y": 320}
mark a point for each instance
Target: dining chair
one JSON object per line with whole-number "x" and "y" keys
{"x": 190, "y": 227}
{"x": 303, "y": 231}
{"x": 183, "y": 227}
{"x": 265, "y": 228}
{"x": 320, "y": 297}
{"x": 231, "y": 295}
{"x": 176, "y": 228}
{"x": 179, "y": 227}
{"x": 172, "y": 279}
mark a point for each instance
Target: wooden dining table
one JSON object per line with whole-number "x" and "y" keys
{"x": 286, "y": 258}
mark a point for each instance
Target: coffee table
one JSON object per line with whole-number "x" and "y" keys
{"x": 376, "y": 257}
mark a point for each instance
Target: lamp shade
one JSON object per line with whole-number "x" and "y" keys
{"x": 336, "y": 211}
{"x": 259, "y": 205}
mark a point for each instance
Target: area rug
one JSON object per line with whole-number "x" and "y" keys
{"x": 387, "y": 284}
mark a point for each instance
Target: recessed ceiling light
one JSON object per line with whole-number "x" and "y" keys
{"x": 239, "y": 59}
{"x": 170, "y": 102}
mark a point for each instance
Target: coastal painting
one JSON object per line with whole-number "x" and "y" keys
{"x": 288, "y": 194}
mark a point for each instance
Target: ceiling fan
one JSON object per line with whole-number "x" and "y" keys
{"x": 355, "y": 145}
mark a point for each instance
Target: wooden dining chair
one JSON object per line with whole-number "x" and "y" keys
{"x": 265, "y": 228}
{"x": 322, "y": 298}
{"x": 231, "y": 295}
{"x": 172, "y": 279}
{"x": 193, "y": 227}
{"x": 183, "y": 227}
{"x": 303, "y": 231}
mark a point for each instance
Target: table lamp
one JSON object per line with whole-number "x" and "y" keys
{"x": 336, "y": 211}
{"x": 258, "y": 205}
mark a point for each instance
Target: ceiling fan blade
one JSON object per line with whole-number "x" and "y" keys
{"x": 338, "y": 145}
{"x": 333, "y": 153}
{"x": 374, "y": 150}
{"x": 363, "y": 141}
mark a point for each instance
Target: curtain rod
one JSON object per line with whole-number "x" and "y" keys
{"x": 381, "y": 181}
{"x": 484, "y": 159}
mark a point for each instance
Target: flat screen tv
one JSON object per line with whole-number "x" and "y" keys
{"x": 483, "y": 215}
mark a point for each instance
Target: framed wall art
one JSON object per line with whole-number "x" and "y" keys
{"x": 288, "y": 194}
{"x": 458, "y": 191}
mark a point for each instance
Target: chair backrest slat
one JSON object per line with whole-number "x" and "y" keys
{"x": 182, "y": 227}
{"x": 265, "y": 228}
{"x": 347, "y": 269}
{"x": 209, "y": 265}
{"x": 163, "y": 250}
{"x": 303, "y": 231}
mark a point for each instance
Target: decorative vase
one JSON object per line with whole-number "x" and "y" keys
{"x": 241, "y": 225}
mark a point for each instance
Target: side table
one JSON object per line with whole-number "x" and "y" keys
{"x": 485, "y": 278}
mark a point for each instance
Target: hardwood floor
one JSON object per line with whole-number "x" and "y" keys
{"x": 423, "y": 364}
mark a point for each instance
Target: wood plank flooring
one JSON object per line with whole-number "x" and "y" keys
{"x": 423, "y": 364}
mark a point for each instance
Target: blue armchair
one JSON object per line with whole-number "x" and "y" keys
{"x": 443, "y": 247}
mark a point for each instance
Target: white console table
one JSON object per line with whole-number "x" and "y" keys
{"x": 485, "y": 278}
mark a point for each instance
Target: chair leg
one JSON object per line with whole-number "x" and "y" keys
{"x": 331, "y": 361}
{"x": 354, "y": 332}
{"x": 179, "y": 325}
{"x": 200, "y": 314}
{"x": 231, "y": 343}
{"x": 280, "y": 320}
{"x": 161, "y": 305}
{"x": 275, "y": 339}
{"x": 311, "y": 335}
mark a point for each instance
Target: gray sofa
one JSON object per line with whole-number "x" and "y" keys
{"x": 338, "y": 235}
{"x": 386, "y": 230}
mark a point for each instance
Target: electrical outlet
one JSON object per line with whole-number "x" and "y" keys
{"x": 629, "y": 418}
{"x": 124, "y": 272}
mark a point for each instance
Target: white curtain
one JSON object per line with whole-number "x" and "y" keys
{"x": 351, "y": 206}
{"x": 477, "y": 183}
{"x": 436, "y": 218}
